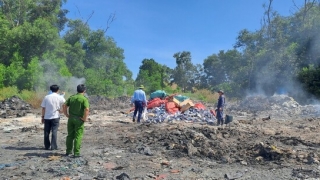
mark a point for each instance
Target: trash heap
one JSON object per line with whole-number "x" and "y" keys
{"x": 164, "y": 108}
{"x": 280, "y": 106}
{"x": 14, "y": 107}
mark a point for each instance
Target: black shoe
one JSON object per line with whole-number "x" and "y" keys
{"x": 67, "y": 154}
{"x": 133, "y": 120}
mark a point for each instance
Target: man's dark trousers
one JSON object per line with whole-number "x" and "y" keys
{"x": 51, "y": 125}
{"x": 220, "y": 116}
{"x": 138, "y": 108}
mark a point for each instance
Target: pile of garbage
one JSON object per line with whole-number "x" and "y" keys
{"x": 14, "y": 107}
{"x": 163, "y": 108}
{"x": 280, "y": 106}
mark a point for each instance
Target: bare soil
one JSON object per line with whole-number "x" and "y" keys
{"x": 116, "y": 148}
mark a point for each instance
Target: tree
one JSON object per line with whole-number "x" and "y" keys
{"x": 183, "y": 72}
{"x": 152, "y": 75}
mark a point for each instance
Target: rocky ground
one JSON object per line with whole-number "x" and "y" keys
{"x": 250, "y": 147}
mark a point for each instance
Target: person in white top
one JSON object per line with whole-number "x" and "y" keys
{"x": 51, "y": 108}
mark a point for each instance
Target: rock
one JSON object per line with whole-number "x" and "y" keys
{"x": 231, "y": 176}
{"x": 243, "y": 163}
{"x": 123, "y": 176}
{"x": 143, "y": 149}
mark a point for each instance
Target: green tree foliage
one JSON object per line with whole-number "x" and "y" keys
{"x": 97, "y": 58}
{"x": 152, "y": 75}
{"x": 184, "y": 73}
{"x": 310, "y": 76}
{"x": 271, "y": 58}
{"x": 36, "y": 51}
{"x": 21, "y": 11}
{"x": 33, "y": 55}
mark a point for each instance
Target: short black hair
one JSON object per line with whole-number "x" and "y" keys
{"x": 54, "y": 88}
{"x": 81, "y": 88}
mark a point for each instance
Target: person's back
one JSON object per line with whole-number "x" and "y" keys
{"x": 76, "y": 109}
{"x": 51, "y": 107}
{"x": 139, "y": 95}
{"x": 77, "y": 103}
{"x": 53, "y": 104}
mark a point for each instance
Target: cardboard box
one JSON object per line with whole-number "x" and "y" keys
{"x": 185, "y": 102}
{"x": 186, "y": 106}
{"x": 176, "y": 101}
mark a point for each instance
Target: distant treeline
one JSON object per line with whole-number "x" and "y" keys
{"x": 40, "y": 46}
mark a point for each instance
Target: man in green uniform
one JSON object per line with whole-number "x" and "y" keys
{"x": 76, "y": 109}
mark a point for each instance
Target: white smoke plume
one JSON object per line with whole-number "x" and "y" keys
{"x": 52, "y": 76}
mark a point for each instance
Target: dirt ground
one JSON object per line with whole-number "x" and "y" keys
{"x": 116, "y": 148}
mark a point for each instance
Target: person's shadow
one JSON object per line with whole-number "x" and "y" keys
{"x": 23, "y": 148}
{"x": 45, "y": 154}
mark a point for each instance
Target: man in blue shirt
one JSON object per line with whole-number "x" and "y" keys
{"x": 220, "y": 106}
{"x": 139, "y": 99}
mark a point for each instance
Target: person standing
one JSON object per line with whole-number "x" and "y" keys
{"x": 220, "y": 106}
{"x": 76, "y": 109}
{"x": 51, "y": 108}
{"x": 139, "y": 100}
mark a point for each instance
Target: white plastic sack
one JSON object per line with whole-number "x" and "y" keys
{"x": 145, "y": 114}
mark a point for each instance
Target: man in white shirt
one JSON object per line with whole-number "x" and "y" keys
{"x": 51, "y": 108}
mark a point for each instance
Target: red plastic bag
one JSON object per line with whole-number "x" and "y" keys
{"x": 199, "y": 106}
{"x": 170, "y": 105}
{"x": 213, "y": 112}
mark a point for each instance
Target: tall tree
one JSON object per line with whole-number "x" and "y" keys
{"x": 152, "y": 75}
{"x": 184, "y": 71}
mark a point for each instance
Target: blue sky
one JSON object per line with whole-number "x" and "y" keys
{"x": 158, "y": 29}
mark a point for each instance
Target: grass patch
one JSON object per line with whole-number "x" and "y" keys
{"x": 31, "y": 97}
{"x": 203, "y": 95}
{"x": 8, "y": 92}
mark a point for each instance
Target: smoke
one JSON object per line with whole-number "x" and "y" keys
{"x": 52, "y": 76}
{"x": 276, "y": 71}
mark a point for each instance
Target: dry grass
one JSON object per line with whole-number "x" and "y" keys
{"x": 33, "y": 98}
{"x": 204, "y": 95}
{"x": 8, "y": 92}
{"x": 198, "y": 94}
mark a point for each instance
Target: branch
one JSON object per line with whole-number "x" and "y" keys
{"x": 90, "y": 16}
{"x": 111, "y": 18}
{"x": 295, "y": 5}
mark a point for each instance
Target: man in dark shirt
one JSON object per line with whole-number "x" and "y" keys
{"x": 220, "y": 106}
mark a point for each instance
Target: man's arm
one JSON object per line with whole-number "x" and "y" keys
{"x": 42, "y": 114}
{"x": 145, "y": 99}
{"x": 85, "y": 114}
{"x": 65, "y": 110}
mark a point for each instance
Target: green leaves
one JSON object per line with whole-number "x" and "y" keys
{"x": 152, "y": 75}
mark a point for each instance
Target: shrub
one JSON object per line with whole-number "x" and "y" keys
{"x": 8, "y": 92}
{"x": 203, "y": 95}
{"x": 32, "y": 97}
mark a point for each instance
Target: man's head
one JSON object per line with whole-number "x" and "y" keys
{"x": 141, "y": 87}
{"x": 54, "y": 88}
{"x": 81, "y": 88}
{"x": 220, "y": 92}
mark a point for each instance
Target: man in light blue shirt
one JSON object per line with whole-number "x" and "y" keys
{"x": 139, "y": 99}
